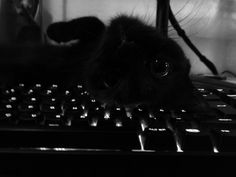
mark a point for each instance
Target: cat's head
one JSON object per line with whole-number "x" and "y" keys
{"x": 134, "y": 65}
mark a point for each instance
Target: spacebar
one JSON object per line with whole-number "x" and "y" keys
{"x": 67, "y": 138}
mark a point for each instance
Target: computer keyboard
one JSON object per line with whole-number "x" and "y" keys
{"x": 39, "y": 116}
{"x": 39, "y": 121}
{"x": 50, "y": 117}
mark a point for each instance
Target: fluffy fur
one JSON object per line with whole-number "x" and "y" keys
{"x": 129, "y": 63}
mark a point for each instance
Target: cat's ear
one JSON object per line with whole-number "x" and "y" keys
{"x": 83, "y": 29}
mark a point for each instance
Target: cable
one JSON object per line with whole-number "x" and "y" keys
{"x": 186, "y": 39}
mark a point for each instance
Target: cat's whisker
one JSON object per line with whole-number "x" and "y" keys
{"x": 184, "y": 6}
{"x": 194, "y": 16}
{"x": 193, "y": 13}
{"x": 133, "y": 10}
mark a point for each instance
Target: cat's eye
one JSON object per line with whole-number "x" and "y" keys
{"x": 159, "y": 68}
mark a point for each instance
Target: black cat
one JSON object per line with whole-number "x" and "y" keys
{"x": 129, "y": 63}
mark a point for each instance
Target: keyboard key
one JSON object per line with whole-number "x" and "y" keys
{"x": 47, "y": 108}
{"x": 211, "y": 97}
{"x": 10, "y": 100}
{"x": 53, "y": 87}
{"x": 140, "y": 113}
{"x": 51, "y": 119}
{"x": 225, "y": 139}
{"x": 24, "y": 107}
{"x": 117, "y": 113}
{"x": 73, "y": 110}
{"x": 80, "y": 123}
{"x": 96, "y": 112}
{"x": 71, "y": 101}
{"x": 160, "y": 112}
{"x": 203, "y": 91}
{"x": 193, "y": 139}
{"x": 30, "y": 100}
{"x": 50, "y": 101}
{"x": 217, "y": 122}
{"x": 159, "y": 138}
{"x": 224, "y": 110}
{"x": 48, "y": 93}
{"x": 8, "y": 117}
{"x": 120, "y": 118}
{"x": 20, "y": 87}
{"x": 7, "y": 107}
{"x": 30, "y": 93}
{"x": 106, "y": 124}
{"x": 29, "y": 118}
{"x": 92, "y": 104}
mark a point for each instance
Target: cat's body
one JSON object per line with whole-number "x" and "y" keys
{"x": 134, "y": 64}
{"x": 125, "y": 63}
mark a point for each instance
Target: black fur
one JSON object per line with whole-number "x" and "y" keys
{"x": 120, "y": 63}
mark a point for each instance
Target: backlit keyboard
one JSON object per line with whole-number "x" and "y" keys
{"x": 65, "y": 124}
{"x": 49, "y": 117}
